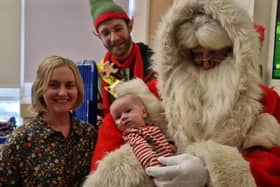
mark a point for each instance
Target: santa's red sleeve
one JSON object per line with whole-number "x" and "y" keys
{"x": 265, "y": 163}
{"x": 109, "y": 139}
{"x": 109, "y": 136}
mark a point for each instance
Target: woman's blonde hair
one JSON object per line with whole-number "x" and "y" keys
{"x": 43, "y": 76}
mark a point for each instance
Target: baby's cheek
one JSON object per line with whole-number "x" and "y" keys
{"x": 118, "y": 123}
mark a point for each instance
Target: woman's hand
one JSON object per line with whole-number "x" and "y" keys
{"x": 180, "y": 170}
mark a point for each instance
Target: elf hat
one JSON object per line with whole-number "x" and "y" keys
{"x": 103, "y": 10}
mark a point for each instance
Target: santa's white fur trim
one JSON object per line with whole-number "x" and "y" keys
{"x": 119, "y": 168}
{"x": 265, "y": 133}
{"x": 225, "y": 164}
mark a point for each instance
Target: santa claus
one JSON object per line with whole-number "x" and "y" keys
{"x": 224, "y": 122}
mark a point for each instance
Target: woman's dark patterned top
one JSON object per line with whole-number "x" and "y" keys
{"x": 37, "y": 155}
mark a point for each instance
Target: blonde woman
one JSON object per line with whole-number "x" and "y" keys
{"x": 53, "y": 149}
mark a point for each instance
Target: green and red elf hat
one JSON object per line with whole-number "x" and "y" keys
{"x": 103, "y": 10}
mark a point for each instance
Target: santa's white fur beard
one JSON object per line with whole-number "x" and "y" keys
{"x": 200, "y": 104}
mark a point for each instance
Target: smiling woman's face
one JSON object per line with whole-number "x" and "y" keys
{"x": 61, "y": 93}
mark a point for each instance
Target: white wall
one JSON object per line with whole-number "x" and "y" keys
{"x": 61, "y": 27}
{"x": 52, "y": 27}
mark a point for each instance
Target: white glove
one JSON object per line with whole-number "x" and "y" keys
{"x": 179, "y": 171}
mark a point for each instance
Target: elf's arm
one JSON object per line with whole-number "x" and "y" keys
{"x": 109, "y": 139}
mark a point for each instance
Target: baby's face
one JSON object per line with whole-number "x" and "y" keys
{"x": 127, "y": 113}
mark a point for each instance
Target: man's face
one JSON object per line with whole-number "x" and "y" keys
{"x": 208, "y": 58}
{"x": 115, "y": 36}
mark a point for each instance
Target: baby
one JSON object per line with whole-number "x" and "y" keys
{"x": 147, "y": 141}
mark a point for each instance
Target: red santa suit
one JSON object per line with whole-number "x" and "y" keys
{"x": 264, "y": 163}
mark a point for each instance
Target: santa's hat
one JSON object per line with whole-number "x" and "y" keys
{"x": 195, "y": 33}
{"x": 103, "y": 10}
